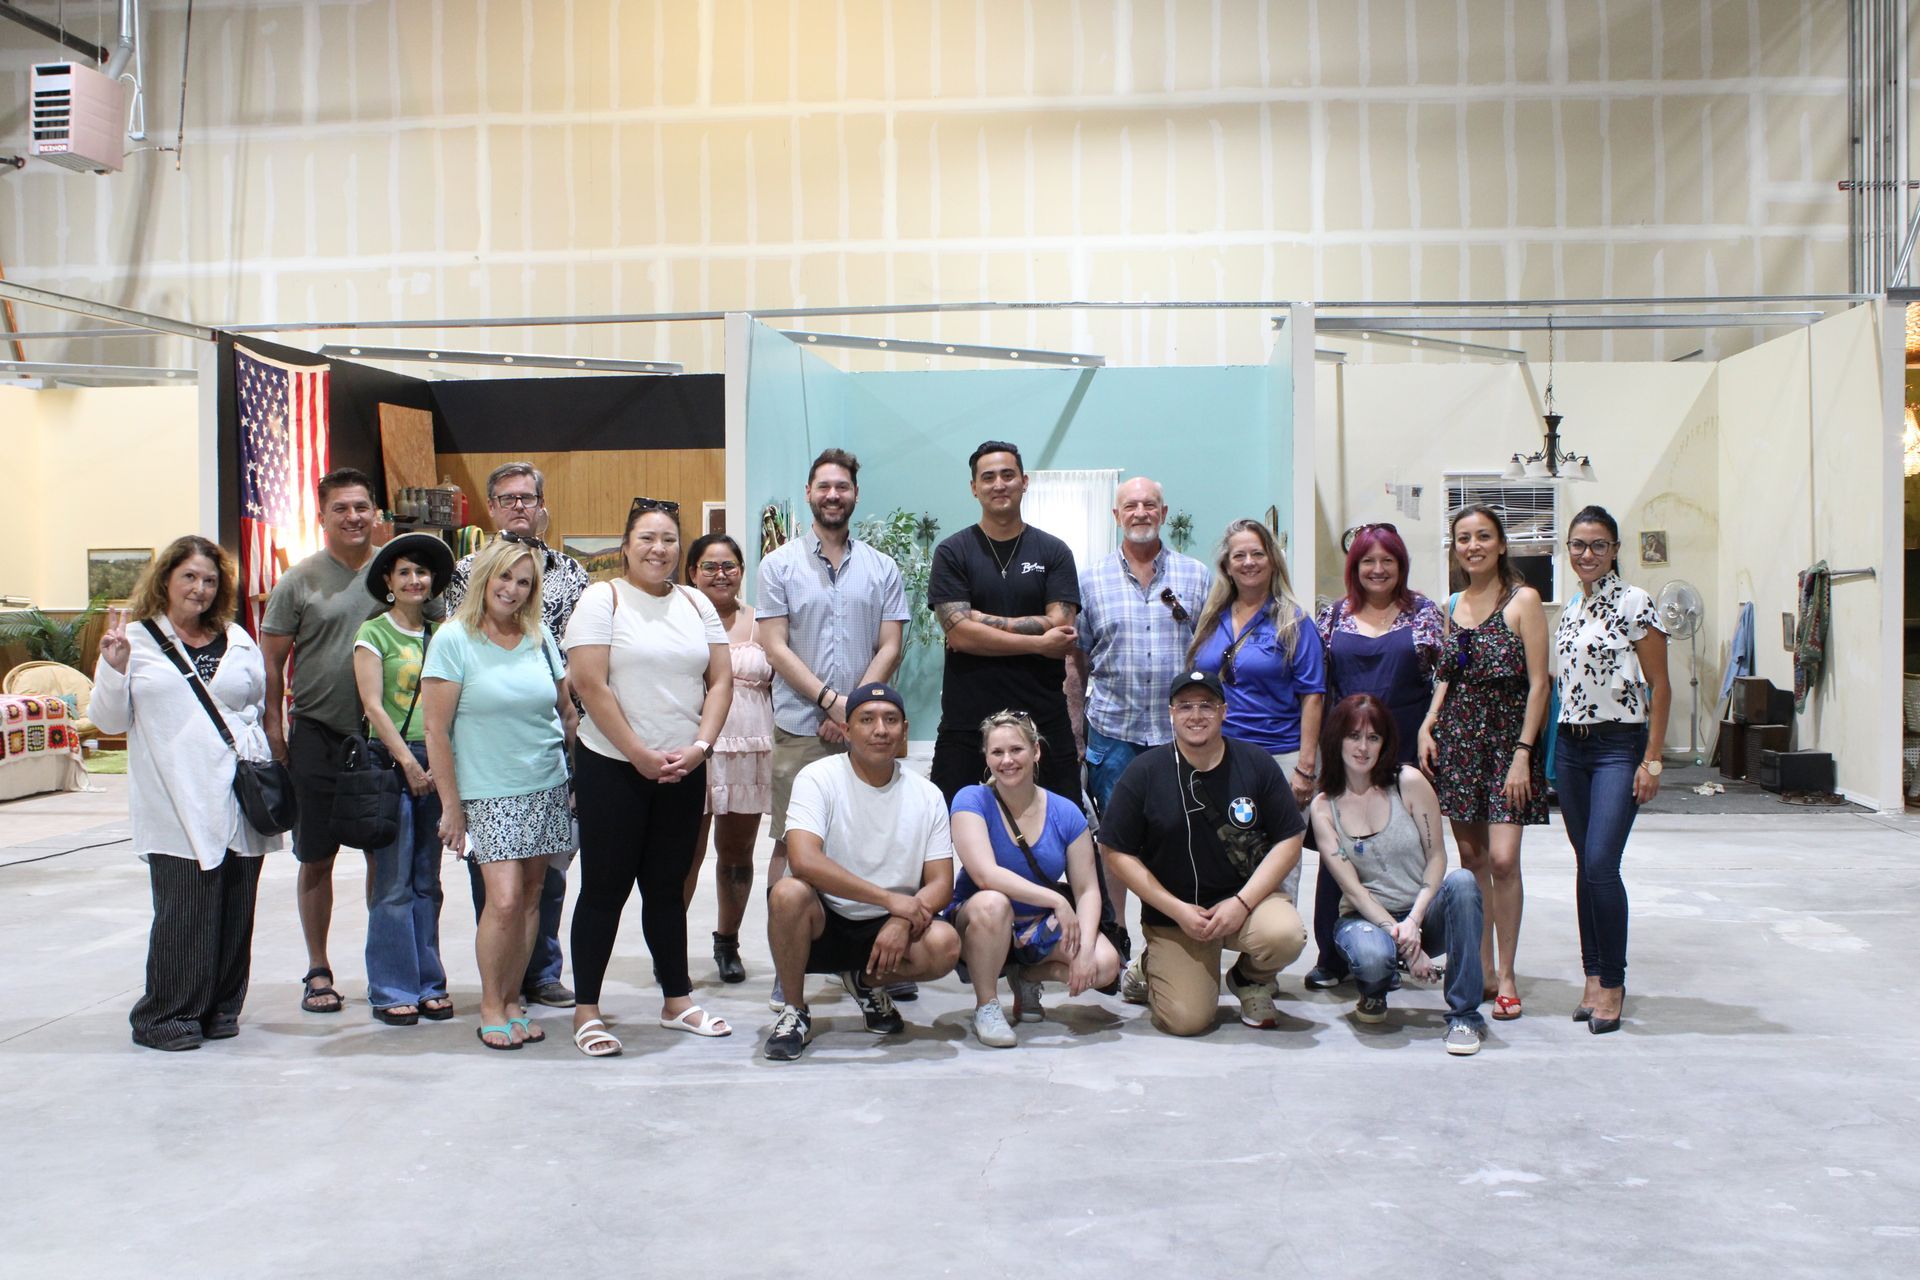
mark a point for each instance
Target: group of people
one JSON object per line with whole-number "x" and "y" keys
{"x": 532, "y": 715}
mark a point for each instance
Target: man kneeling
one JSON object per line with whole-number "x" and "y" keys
{"x": 870, "y": 859}
{"x": 1204, "y": 830}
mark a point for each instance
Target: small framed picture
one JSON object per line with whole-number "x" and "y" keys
{"x": 713, "y": 517}
{"x": 113, "y": 574}
{"x": 1653, "y": 546}
{"x": 598, "y": 554}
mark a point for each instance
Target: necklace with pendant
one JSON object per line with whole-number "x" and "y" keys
{"x": 1011, "y": 555}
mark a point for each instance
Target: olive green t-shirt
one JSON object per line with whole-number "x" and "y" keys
{"x": 321, "y": 604}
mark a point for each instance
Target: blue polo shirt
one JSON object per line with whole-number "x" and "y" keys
{"x": 1263, "y": 702}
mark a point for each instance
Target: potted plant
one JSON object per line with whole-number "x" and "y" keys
{"x": 47, "y": 639}
{"x": 909, "y": 539}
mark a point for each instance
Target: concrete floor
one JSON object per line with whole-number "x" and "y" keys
{"x": 1757, "y": 1115}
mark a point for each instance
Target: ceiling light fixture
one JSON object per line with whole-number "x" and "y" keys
{"x": 1550, "y": 462}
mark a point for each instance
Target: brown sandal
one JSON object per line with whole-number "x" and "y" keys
{"x": 314, "y": 995}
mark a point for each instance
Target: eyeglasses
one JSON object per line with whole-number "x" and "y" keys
{"x": 655, "y": 504}
{"x": 719, "y": 566}
{"x": 1207, "y": 708}
{"x": 1347, "y": 539}
{"x": 1226, "y": 668}
{"x": 524, "y": 539}
{"x": 1598, "y": 548}
{"x": 1172, "y": 602}
{"x": 516, "y": 499}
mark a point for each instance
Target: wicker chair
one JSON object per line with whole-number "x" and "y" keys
{"x": 55, "y": 679}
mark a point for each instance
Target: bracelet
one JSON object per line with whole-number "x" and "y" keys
{"x": 1243, "y": 902}
{"x": 825, "y": 696}
{"x": 1524, "y": 746}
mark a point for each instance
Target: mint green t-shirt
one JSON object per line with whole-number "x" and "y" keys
{"x": 401, "y": 653}
{"x": 507, "y": 737}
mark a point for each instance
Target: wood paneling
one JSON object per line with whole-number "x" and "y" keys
{"x": 406, "y": 446}
{"x": 590, "y": 492}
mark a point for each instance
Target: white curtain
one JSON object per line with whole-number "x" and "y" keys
{"x": 1075, "y": 507}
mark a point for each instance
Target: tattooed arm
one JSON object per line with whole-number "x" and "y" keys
{"x": 1335, "y": 863}
{"x": 971, "y": 631}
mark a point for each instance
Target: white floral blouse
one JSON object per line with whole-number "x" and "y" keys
{"x": 1599, "y": 677}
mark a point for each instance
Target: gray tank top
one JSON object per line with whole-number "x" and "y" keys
{"x": 1392, "y": 863}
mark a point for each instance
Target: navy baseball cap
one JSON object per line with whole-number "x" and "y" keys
{"x": 1196, "y": 680}
{"x": 873, "y": 693}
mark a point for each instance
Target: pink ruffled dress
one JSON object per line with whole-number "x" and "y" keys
{"x": 740, "y": 775}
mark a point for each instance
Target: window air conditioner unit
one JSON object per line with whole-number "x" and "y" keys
{"x": 77, "y": 117}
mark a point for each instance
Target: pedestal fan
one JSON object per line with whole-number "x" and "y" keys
{"x": 1681, "y": 612}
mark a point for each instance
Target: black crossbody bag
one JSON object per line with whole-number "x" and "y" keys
{"x": 366, "y": 800}
{"x": 263, "y": 787}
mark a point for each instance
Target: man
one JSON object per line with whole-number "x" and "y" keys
{"x": 1006, "y": 595}
{"x": 1137, "y": 610}
{"x": 832, "y": 616}
{"x": 516, "y": 500}
{"x": 1204, "y": 830}
{"x": 872, "y": 865}
{"x": 313, "y": 615}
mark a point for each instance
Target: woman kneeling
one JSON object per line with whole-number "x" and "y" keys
{"x": 1016, "y": 841}
{"x": 1378, "y": 823}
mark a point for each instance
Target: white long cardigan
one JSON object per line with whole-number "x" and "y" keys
{"x": 180, "y": 773}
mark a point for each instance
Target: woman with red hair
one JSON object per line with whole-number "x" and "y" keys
{"x": 1383, "y": 639}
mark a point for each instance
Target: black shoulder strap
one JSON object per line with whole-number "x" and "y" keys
{"x": 425, "y": 640}
{"x": 193, "y": 678}
{"x": 1019, "y": 839}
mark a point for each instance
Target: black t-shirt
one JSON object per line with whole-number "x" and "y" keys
{"x": 1039, "y": 572}
{"x": 206, "y": 658}
{"x": 1152, "y": 812}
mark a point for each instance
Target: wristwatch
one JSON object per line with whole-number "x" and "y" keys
{"x": 706, "y": 748}
{"x": 1653, "y": 767}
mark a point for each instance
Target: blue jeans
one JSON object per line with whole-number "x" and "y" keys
{"x": 544, "y": 965}
{"x": 1453, "y": 918}
{"x": 403, "y": 923}
{"x": 1107, "y": 759}
{"x": 1595, "y": 772}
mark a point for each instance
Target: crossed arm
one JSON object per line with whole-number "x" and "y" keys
{"x": 989, "y": 635}
{"x": 1224, "y": 918}
{"x": 780, "y": 655}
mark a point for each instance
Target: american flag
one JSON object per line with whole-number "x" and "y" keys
{"x": 283, "y": 453}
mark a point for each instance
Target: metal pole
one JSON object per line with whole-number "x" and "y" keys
{"x": 40, "y": 26}
{"x": 103, "y": 311}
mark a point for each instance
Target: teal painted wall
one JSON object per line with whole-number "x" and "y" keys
{"x": 795, "y": 408}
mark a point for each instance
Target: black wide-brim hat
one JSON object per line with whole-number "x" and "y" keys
{"x": 421, "y": 548}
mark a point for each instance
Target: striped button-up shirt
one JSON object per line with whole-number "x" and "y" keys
{"x": 1134, "y": 647}
{"x": 833, "y": 617}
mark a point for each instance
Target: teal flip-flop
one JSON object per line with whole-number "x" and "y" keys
{"x": 483, "y": 1032}
{"x": 526, "y": 1024}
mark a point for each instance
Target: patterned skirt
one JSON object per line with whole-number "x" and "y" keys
{"x": 514, "y": 828}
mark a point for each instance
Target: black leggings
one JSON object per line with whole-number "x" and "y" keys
{"x": 633, "y": 831}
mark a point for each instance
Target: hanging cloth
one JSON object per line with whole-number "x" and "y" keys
{"x": 1810, "y": 631}
{"x": 1740, "y": 652}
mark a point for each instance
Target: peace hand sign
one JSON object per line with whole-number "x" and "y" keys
{"x": 113, "y": 642}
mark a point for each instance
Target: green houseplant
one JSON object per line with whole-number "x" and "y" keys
{"x": 909, "y": 539}
{"x": 47, "y": 639}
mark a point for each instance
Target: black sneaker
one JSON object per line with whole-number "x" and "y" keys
{"x": 882, "y": 1018}
{"x": 791, "y": 1031}
{"x": 726, "y": 956}
{"x": 1371, "y": 1009}
{"x": 1320, "y": 978}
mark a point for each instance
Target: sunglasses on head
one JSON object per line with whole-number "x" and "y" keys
{"x": 655, "y": 504}
{"x": 1172, "y": 602}
{"x": 1347, "y": 538}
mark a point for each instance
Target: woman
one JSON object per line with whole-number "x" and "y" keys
{"x": 1379, "y": 823}
{"x": 202, "y": 858}
{"x": 498, "y": 725}
{"x": 1255, "y": 634}
{"x": 1382, "y": 639}
{"x": 1016, "y": 843}
{"x": 1480, "y": 740}
{"x": 740, "y": 775}
{"x": 1614, "y": 697}
{"x": 651, "y": 662}
{"x": 405, "y": 979}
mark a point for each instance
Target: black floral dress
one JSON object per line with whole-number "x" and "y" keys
{"x": 1485, "y": 668}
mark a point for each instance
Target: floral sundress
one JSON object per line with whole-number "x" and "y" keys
{"x": 1485, "y": 668}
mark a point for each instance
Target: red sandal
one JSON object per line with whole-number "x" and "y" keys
{"x": 1506, "y": 1008}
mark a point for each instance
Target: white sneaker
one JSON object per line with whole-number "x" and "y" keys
{"x": 1463, "y": 1039}
{"x": 1133, "y": 983}
{"x": 990, "y": 1027}
{"x": 1256, "y": 1000}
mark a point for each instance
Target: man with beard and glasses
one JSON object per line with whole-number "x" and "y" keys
{"x": 1137, "y": 606}
{"x": 516, "y": 501}
{"x": 833, "y": 613}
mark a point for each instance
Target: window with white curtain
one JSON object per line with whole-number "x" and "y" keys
{"x": 1075, "y": 507}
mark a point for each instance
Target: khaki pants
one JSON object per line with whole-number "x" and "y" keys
{"x": 1183, "y": 976}
{"x": 793, "y": 752}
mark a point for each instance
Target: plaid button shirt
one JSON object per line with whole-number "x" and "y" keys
{"x": 1134, "y": 647}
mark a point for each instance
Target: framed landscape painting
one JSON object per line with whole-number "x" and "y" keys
{"x": 113, "y": 573}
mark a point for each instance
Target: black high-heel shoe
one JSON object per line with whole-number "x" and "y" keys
{"x": 726, "y": 954}
{"x": 1583, "y": 1014}
{"x": 1599, "y": 1026}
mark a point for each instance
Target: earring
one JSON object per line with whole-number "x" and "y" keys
{"x": 389, "y": 597}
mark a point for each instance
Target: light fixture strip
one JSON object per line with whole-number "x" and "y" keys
{"x": 500, "y": 359}
{"x": 905, "y": 346}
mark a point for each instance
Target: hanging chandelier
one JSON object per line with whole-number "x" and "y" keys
{"x": 1550, "y": 462}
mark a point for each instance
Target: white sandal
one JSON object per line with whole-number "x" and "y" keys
{"x": 708, "y": 1025}
{"x": 591, "y": 1038}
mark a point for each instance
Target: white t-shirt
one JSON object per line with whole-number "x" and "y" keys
{"x": 656, "y": 661}
{"x": 881, "y": 834}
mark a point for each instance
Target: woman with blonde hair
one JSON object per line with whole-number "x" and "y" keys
{"x": 202, "y": 857}
{"x": 499, "y": 722}
{"x": 1254, "y": 634}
